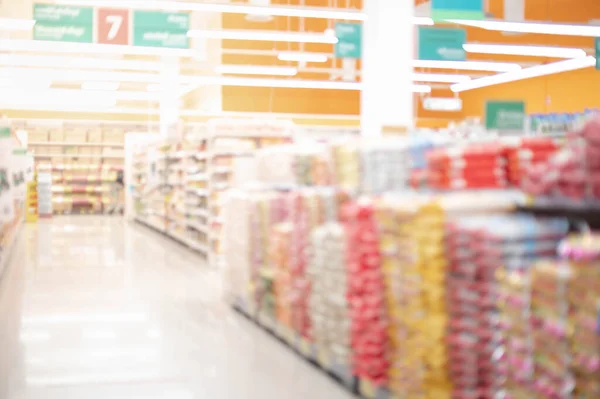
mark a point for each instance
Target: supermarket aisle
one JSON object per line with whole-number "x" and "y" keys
{"x": 95, "y": 308}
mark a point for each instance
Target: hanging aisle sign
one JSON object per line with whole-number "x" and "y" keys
{"x": 349, "y": 43}
{"x": 597, "y": 45}
{"x": 441, "y": 44}
{"x": 505, "y": 115}
{"x": 457, "y": 9}
{"x": 161, "y": 29}
{"x": 63, "y": 23}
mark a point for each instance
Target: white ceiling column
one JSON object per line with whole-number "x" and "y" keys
{"x": 207, "y": 98}
{"x": 169, "y": 97}
{"x": 387, "y": 51}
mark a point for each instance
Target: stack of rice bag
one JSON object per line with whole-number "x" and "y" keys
{"x": 573, "y": 172}
{"x": 583, "y": 254}
{"x": 478, "y": 247}
{"x": 403, "y": 294}
{"x": 279, "y": 257}
{"x": 300, "y": 284}
{"x": 526, "y": 152}
{"x": 366, "y": 296}
{"x": 471, "y": 166}
{"x": 385, "y": 166}
{"x": 550, "y": 312}
{"x": 328, "y": 305}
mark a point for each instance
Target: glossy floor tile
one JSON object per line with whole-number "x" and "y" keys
{"x": 96, "y": 308}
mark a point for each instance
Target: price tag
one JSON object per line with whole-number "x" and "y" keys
{"x": 367, "y": 389}
{"x": 304, "y": 347}
{"x": 324, "y": 359}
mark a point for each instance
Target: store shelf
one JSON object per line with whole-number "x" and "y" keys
{"x": 75, "y": 144}
{"x": 198, "y": 226}
{"x": 7, "y": 247}
{"x": 307, "y": 351}
{"x": 82, "y": 156}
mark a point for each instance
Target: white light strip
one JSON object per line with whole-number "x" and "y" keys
{"x": 90, "y": 48}
{"x": 468, "y": 65}
{"x": 40, "y": 95}
{"x": 270, "y": 36}
{"x": 16, "y": 24}
{"x": 100, "y": 86}
{"x": 77, "y": 62}
{"x": 421, "y": 89}
{"x": 256, "y": 70}
{"x": 283, "y": 83}
{"x": 533, "y": 51}
{"x": 439, "y": 78}
{"x": 273, "y": 10}
{"x": 536, "y": 71}
{"x": 302, "y": 56}
{"x": 423, "y": 21}
{"x": 533, "y": 27}
{"x": 78, "y": 75}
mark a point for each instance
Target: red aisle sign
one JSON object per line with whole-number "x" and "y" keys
{"x": 113, "y": 26}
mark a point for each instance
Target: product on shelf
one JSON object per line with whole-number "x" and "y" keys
{"x": 478, "y": 248}
{"x": 366, "y": 298}
{"x": 473, "y": 166}
{"x": 583, "y": 255}
{"x": 574, "y": 172}
{"x": 327, "y": 299}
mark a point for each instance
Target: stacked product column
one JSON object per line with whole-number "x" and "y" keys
{"x": 479, "y": 248}
{"x": 366, "y": 298}
{"x": 583, "y": 255}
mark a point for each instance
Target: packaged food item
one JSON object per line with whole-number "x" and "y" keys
{"x": 328, "y": 305}
{"x": 583, "y": 254}
{"x": 366, "y": 298}
{"x": 488, "y": 344}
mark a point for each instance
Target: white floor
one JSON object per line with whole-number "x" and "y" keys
{"x": 93, "y": 307}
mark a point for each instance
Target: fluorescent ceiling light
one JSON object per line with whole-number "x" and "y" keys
{"x": 423, "y": 21}
{"x": 421, "y": 89}
{"x": 283, "y": 83}
{"x": 270, "y": 36}
{"x": 16, "y": 24}
{"x": 256, "y": 70}
{"x": 468, "y": 65}
{"x": 439, "y": 78}
{"x": 78, "y": 75}
{"x": 534, "y": 51}
{"x": 45, "y": 61}
{"x": 272, "y": 10}
{"x": 536, "y": 71}
{"x": 533, "y": 27}
{"x": 91, "y": 48}
{"x": 302, "y": 56}
{"x": 100, "y": 86}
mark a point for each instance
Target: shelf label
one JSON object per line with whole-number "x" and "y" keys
{"x": 63, "y": 23}
{"x": 160, "y": 29}
{"x": 457, "y": 9}
{"x": 441, "y": 44}
{"x": 505, "y": 115}
{"x": 349, "y": 43}
{"x": 113, "y": 26}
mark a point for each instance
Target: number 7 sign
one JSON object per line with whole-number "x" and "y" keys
{"x": 113, "y": 26}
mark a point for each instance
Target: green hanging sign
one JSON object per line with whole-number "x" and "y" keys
{"x": 457, "y": 9}
{"x": 505, "y": 115}
{"x": 161, "y": 29}
{"x": 63, "y": 23}
{"x": 441, "y": 44}
{"x": 349, "y": 43}
{"x": 597, "y": 45}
